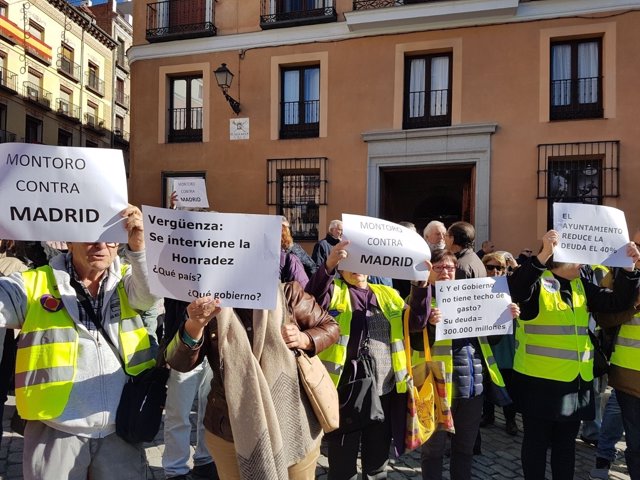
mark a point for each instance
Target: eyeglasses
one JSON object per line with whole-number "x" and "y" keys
{"x": 108, "y": 244}
{"x": 494, "y": 267}
{"x": 527, "y": 251}
{"x": 440, "y": 268}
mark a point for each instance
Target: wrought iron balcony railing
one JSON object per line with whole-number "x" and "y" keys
{"x": 67, "y": 109}
{"x": 95, "y": 84}
{"x": 94, "y": 122}
{"x": 36, "y": 94}
{"x": 120, "y": 136}
{"x": 371, "y": 4}
{"x": 300, "y": 119}
{"x": 180, "y": 19}
{"x": 8, "y": 79}
{"x": 186, "y": 125}
{"x": 122, "y": 99}
{"x": 576, "y": 98}
{"x": 121, "y": 59}
{"x": 68, "y": 68}
{"x": 287, "y": 13}
{"x": 428, "y": 109}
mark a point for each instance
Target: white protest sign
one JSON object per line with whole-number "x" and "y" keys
{"x": 591, "y": 235}
{"x": 234, "y": 257}
{"x": 191, "y": 192}
{"x": 383, "y": 248}
{"x": 475, "y": 307}
{"x": 72, "y": 194}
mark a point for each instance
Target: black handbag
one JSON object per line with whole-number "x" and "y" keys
{"x": 143, "y": 397}
{"x": 600, "y": 358}
{"x": 358, "y": 394}
{"x": 141, "y": 404}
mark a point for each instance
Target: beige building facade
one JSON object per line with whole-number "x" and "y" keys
{"x": 484, "y": 111}
{"x": 56, "y": 75}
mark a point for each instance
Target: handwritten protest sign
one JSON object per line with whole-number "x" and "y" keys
{"x": 234, "y": 257}
{"x": 61, "y": 193}
{"x": 475, "y": 307}
{"x": 191, "y": 192}
{"x": 383, "y": 248}
{"x": 591, "y": 234}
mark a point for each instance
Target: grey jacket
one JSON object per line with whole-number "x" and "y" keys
{"x": 91, "y": 410}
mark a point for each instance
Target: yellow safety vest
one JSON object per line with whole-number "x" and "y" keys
{"x": 442, "y": 350}
{"x": 626, "y": 351}
{"x": 392, "y": 306}
{"x": 47, "y": 356}
{"x": 556, "y": 345}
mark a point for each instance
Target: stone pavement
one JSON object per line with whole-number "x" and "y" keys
{"x": 500, "y": 458}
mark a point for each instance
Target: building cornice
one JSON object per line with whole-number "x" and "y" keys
{"x": 386, "y": 21}
{"x": 84, "y": 21}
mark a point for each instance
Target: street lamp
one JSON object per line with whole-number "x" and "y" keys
{"x": 224, "y": 77}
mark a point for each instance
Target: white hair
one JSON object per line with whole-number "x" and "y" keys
{"x": 430, "y": 226}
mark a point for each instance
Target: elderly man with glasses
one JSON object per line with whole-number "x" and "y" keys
{"x": 69, "y": 376}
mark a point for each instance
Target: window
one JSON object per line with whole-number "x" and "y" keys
{"x": 576, "y": 79}
{"x": 93, "y": 79}
{"x": 64, "y": 102}
{"x": 300, "y": 105}
{"x": 584, "y": 172}
{"x": 36, "y": 31}
{"x": 121, "y": 97}
{"x": 120, "y": 53}
{"x": 65, "y": 138}
{"x": 66, "y": 61}
{"x": 297, "y": 187}
{"x": 427, "y": 97}
{"x": 33, "y": 130}
{"x": 119, "y": 125}
{"x": 91, "y": 117}
{"x": 185, "y": 109}
{"x": 4, "y": 9}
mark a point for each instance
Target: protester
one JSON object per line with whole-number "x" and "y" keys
{"x": 466, "y": 361}
{"x": 504, "y": 351}
{"x": 258, "y": 423}
{"x": 369, "y": 315}
{"x": 624, "y": 372}
{"x": 459, "y": 240}
{"x": 182, "y": 388}
{"x": 524, "y": 256}
{"x": 291, "y": 267}
{"x": 434, "y": 234}
{"x": 611, "y": 431}
{"x": 323, "y": 247}
{"x": 553, "y": 365}
{"x": 309, "y": 265}
{"x": 70, "y": 396}
{"x": 487, "y": 247}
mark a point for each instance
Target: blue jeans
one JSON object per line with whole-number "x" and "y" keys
{"x": 630, "y": 408}
{"x": 611, "y": 429}
{"x": 181, "y": 391}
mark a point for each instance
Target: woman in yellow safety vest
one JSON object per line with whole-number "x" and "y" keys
{"x": 466, "y": 361}
{"x": 368, "y": 315}
{"x": 552, "y": 382}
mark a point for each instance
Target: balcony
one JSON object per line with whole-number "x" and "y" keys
{"x": 121, "y": 60}
{"x": 94, "y": 84}
{"x": 8, "y": 80}
{"x": 6, "y": 136}
{"x": 120, "y": 137}
{"x": 95, "y": 123}
{"x": 576, "y": 98}
{"x": 185, "y": 125}
{"x": 374, "y": 14}
{"x": 180, "y": 19}
{"x": 122, "y": 99}
{"x": 292, "y": 13}
{"x": 301, "y": 119}
{"x": 66, "y": 109}
{"x": 36, "y": 94}
{"x": 67, "y": 68}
